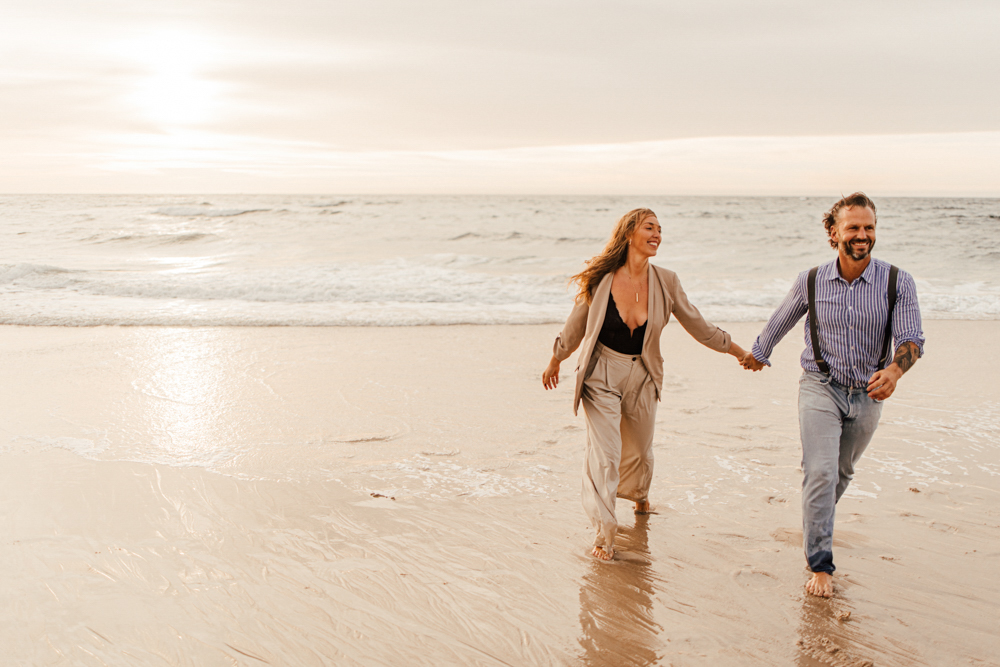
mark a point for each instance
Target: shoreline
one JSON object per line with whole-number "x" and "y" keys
{"x": 554, "y": 323}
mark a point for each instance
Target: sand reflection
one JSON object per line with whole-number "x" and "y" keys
{"x": 616, "y": 604}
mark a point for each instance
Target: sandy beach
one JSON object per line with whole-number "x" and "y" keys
{"x": 410, "y": 496}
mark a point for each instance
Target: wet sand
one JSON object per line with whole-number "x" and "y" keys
{"x": 411, "y": 496}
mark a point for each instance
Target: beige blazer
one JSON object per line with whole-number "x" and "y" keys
{"x": 666, "y": 296}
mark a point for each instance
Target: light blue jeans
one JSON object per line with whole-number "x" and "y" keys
{"x": 836, "y": 423}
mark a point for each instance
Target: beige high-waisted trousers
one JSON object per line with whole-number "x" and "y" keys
{"x": 619, "y": 401}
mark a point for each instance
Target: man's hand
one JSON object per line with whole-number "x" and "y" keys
{"x": 750, "y": 363}
{"x": 883, "y": 383}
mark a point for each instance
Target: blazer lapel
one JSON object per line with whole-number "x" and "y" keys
{"x": 598, "y": 309}
{"x": 653, "y": 315}
{"x": 595, "y": 320}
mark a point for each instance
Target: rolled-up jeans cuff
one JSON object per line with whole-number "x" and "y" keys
{"x": 821, "y": 561}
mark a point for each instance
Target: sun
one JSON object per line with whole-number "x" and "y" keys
{"x": 172, "y": 88}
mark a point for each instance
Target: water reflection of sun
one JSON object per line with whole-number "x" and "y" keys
{"x": 183, "y": 396}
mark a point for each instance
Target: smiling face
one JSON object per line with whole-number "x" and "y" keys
{"x": 645, "y": 240}
{"x": 854, "y": 232}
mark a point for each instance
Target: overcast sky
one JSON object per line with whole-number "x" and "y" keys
{"x": 696, "y": 97}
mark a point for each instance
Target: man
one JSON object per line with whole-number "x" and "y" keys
{"x": 843, "y": 382}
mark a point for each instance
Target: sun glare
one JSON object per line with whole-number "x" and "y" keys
{"x": 173, "y": 88}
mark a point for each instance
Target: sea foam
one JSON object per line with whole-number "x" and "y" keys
{"x": 271, "y": 261}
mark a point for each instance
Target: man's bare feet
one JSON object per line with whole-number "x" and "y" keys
{"x": 643, "y": 507}
{"x": 603, "y": 553}
{"x": 821, "y": 585}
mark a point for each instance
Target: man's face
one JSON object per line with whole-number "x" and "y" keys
{"x": 854, "y": 232}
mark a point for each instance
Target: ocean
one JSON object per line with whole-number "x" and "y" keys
{"x": 296, "y": 260}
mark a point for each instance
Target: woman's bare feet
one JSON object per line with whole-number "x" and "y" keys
{"x": 643, "y": 507}
{"x": 603, "y": 553}
{"x": 821, "y": 585}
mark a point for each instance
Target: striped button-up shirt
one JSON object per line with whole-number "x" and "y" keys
{"x": 851, "y": 319}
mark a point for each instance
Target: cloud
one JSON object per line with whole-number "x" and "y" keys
{"x": 917, "y": 165}
{"x": 286, "y": 95}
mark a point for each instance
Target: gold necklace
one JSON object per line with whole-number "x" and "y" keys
{"x": 637, "y": 287}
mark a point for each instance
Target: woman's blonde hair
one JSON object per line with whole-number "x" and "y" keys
{"x": 613, "y": 256}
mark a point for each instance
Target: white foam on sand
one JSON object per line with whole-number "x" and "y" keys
{"x": 422, "y": 476}
{"x": 89, "y": 449}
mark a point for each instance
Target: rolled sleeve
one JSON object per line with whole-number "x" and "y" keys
{"x": 573, "y": 331}
{"x": 907, "y": 326}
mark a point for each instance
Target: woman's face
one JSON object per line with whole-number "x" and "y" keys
{"x": 645, "y": 240}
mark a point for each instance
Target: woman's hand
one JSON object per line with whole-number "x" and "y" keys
{"x": 550, "y": 376}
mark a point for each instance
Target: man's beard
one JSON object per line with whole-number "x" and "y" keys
{"x": 857, "y": 255}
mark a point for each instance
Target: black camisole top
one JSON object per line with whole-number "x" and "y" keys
{"x": 615, "y": 334}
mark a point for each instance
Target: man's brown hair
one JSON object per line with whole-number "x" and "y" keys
{"x": 856, "y": 199}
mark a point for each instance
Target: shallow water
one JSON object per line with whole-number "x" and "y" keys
{"x": 204, "y": 496}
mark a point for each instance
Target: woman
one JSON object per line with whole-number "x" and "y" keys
{"x": 622, "y": 306}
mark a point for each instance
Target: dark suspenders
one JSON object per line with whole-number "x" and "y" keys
{"x": 814, "y": 329}
{"x": 887, "y": 341}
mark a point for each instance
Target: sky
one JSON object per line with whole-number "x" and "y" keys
{"x": 761, "y": 97}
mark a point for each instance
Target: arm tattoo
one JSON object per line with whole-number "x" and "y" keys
{"x": 906, "y": 355}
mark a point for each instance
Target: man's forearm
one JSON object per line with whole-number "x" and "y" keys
{"x": 906, "y": 355}
{"x": 791, "y": 310}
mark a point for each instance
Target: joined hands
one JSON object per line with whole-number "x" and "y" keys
{"x": 749, "y": 362}
{"x": 745, "y": 357}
